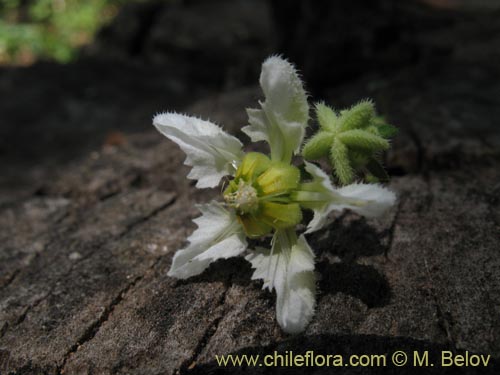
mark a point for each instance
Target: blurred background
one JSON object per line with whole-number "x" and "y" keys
{"x": 77, "y": 74}
{"x": 32, "y": 30}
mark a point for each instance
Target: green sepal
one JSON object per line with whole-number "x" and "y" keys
{"x": 372, "y": 129}
{"x": 387, "y": 131}
{"x": 340, "y": 161}
{"x": 309, "y": 198}
{"x": 362, "y": 139}
{"x": 377, "y": 170}
{"x": 254, "y": 226}
{"x": 327, "y": 118}
{"x": 318, "y": 146}
{"x": 358, "y": 117}
{"x": 358, "y": 159}
{"x": 280, "y": 215}
{"x": 279, "y": 178}
{"x": 252, "y": 165}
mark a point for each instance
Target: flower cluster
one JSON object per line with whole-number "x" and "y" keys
{"x": 266, "y": 194}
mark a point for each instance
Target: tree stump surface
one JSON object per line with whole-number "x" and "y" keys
{"x": 86, "y": 243}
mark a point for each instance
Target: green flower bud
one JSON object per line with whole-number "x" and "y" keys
{"x": 351, "y": 141}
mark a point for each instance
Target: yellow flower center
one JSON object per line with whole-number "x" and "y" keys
{"x": 260, "y": 194}
{"x": 244, "y": 199}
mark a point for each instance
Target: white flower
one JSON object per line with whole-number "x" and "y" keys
{"x": 370, "y": 200}
{"x": 265, "y": 195}
{"x": 288, "y": 267}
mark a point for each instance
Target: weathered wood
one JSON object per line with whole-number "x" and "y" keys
{"x": 85, "y": 247}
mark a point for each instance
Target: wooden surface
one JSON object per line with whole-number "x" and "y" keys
{"x": 86, "y": 243}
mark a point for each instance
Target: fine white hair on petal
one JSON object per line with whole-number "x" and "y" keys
{"x": 318, "y": 221}
{"x": 323, "y": 184}
{"x": 289, "y": 269}
{"x": 370, "y": 200}
{"x": 374, "y": 199}
{"x": 319, "y": 176}
{"x": 284, "y": 114}
{"x": 211, "y": 152}
{"x": 219, "y": 235}
{"x": 284, "y": 90}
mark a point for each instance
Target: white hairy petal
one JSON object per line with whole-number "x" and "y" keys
{"x": 370, "y": 200}
{"x": 211, "y": 152}
{"x": 219, "y": 235}
{"x": 285, "y": 94}
{"x": 283, "y": 118}
{"x": 324, "y": 185}
{"x": 289, "y": 269}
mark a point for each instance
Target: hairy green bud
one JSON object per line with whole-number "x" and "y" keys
{"x": 351, "y": 140}
{"x": 327, "y": 117}
{"x": 318, "y": 146}
{"x": 361, "y": 139}
{"x": 358, "y": 117}
{"x": 340, "y": 162}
